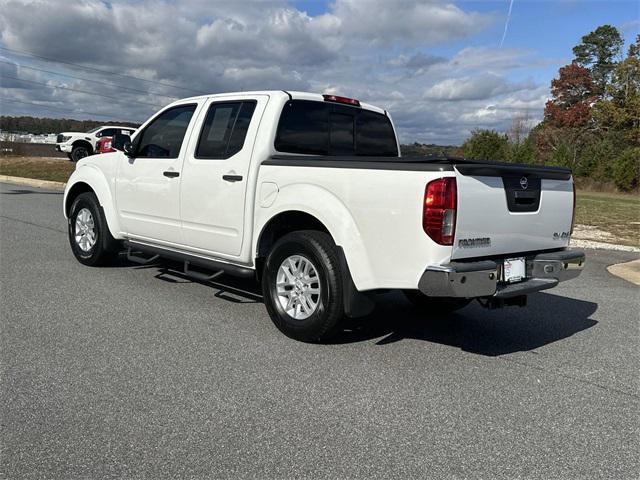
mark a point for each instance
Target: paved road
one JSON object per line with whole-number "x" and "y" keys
{"x": 131, "y": 372}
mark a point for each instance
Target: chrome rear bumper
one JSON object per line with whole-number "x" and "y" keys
{"x": 483, "y": 278}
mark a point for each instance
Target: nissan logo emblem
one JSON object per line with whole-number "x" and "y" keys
{"x": 524, "y": 183}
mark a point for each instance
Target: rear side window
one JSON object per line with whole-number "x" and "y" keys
{"x": 323, "y": 128}
{"x": 303, "y": 128}
{"x": 224, "y": 129}
{"x": 163, "y": 137}
{"x": 375, "y": 135}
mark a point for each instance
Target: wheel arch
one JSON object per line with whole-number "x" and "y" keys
{"x": 89, "y": 179}
{"x": 84, "y": 143}
{"x": 323, "y": 209}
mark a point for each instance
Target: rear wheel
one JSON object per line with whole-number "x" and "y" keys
{"x": 435, "y": 305}
{"x": 302, "y": 286}
{"x": 89, "y": 237}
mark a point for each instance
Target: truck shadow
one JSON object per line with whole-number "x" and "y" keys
{"x": 547, "y": 318}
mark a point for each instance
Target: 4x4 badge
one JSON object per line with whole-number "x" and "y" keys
{"x": 524, "y": 183}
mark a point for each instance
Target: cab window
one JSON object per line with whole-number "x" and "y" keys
{"x": 225, "y": 129}
{"x": 163, "y": 137}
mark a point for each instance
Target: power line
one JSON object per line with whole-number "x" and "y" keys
{"x": 89, "y": 80}
{"x": 60, "y": 109}
{"x": 99, "y": 70}
{"x": 118, "y": 99}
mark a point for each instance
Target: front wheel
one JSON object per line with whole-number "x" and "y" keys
{"x": 435, "y": 305}
{"x": 302, "y": 286}
{"x": 79, "y": 152}
{"x": 89, "y": 237}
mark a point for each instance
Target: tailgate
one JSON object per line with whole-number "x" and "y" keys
{"x": 504, "y": 209}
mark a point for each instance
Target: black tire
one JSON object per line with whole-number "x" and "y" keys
{"x": 79, "y": 152}
{"x": 435, "y": 305}
{"x": 105, "y": 248}
{"x": 321, "y": 251}
{"x": 69, "y": 157}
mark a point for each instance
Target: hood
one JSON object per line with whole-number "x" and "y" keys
{"x": 75, "y": 134}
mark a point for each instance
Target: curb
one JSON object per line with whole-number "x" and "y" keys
{"x": 629, "y": 271}
{"x": 33, "y": 182}
{"x": 592, "y": 244}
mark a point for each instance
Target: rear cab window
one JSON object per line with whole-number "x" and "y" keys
{"x": 224, "y": 129}
{"x": 327, "y": 128}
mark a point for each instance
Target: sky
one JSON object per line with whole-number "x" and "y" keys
{"x": 441, "y": 68}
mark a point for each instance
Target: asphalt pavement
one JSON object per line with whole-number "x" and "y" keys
{"x": 137, "y": 372}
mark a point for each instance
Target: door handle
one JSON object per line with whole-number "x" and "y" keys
{"x": 232, "y": 178}
{"x": 171, "y": 174}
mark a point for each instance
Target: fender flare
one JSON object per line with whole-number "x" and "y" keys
{"x": 84, "y": 142}
{"x": 95, "y": 180}
{"x": 332, "y": 213}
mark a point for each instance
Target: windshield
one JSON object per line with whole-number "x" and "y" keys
{"x": 94, "y": 130}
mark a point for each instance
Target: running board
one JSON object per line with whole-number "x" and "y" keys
{"x": 212, "y": 265}
{"x": 140, "y": 260}
{"x": 200, "y": 276}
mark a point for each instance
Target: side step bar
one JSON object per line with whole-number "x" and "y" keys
{"x": 132, "y": 257}
{"x": 218, "y": 268}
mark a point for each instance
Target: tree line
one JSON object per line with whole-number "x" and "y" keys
{"x": 591, "y": 123}
{"x": 39, "y": 126}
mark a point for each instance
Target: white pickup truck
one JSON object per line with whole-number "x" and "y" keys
{"x": 78, "y": 145}
{"x": 309, "y": 194}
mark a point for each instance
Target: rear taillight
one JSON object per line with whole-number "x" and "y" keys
{"x": 439, "y": 210}
{"x": 573, "y": 214}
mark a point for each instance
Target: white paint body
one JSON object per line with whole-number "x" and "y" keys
{"x": 374, "y": 215}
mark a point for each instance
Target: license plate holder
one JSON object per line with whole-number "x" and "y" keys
{"x": 514, "y": 270}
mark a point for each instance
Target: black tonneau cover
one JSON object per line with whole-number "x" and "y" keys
{"x": 464, "y": 166}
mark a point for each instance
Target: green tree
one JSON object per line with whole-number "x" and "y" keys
{"x": 621, "y": 111}
{"x": 626, "y": 169}
{"x": 598, "y": 51}
{"x": 524, "y": 152}
{"x": 634, "y": 48}
{"x": 486, "y": 145}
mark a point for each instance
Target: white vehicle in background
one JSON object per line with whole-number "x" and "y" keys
{"x": 78, "y": 145}
{"x": 308, "y": 194}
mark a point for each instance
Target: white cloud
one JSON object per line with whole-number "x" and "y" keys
{"x": 473, "y": 88}
{"x": 375, "y": 50}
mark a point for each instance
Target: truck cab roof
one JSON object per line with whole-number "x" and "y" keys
{"x": 294, "y": 95}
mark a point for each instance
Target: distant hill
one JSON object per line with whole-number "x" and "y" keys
{"x": 429, "y": 149}
{"x": 37, "y": 125}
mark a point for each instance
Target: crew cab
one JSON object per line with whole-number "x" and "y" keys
{"x": 309, "y": 195}
{"x": 78, "y": 145}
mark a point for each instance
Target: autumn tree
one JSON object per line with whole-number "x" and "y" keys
{"x": 572, "y": 94}
{"x": 599, "y": 51}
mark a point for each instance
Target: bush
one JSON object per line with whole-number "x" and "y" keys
{"x": 626, "y": 169}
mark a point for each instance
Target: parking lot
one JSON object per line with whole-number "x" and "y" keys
{"x": 133, "y": 371}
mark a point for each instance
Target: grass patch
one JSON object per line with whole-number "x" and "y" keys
{"x": 615, "y": 213}
{"x": 39, "y": 168}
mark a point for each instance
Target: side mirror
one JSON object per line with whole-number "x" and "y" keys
{"x": 122, "y": 143}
